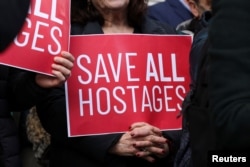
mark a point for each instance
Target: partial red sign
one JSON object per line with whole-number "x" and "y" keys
{"x": 44, "y": 35}
{"x": 118, "y": 80}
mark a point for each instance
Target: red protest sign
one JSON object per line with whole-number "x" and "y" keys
{"x": 122, "y": 79}
{"x": 44, "y": 35}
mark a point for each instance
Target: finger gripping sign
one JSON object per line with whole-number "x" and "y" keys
{"x": 118, "y": 80}
{"x": 44, "y": 35}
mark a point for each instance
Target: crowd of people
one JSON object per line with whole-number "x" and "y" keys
{"x": 214, "y": 111}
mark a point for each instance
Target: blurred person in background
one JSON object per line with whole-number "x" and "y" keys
{"x": 172, "y": 12}
{"x": 195, "y": 134}
{"x": 194, "y": 26}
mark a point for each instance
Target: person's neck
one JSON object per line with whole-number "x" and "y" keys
{"x": 115, "y": 23}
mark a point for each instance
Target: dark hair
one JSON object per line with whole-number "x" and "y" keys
{"x": 82, "y": 12}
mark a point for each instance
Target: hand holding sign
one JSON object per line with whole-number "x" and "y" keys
{"x": 61, "y": 68}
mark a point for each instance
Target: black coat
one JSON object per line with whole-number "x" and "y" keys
{"x": 9, "y": 147}
{"x": 90, "y": 151}
{"x": 229, "y": 76}
{"x": 13, "y": 13}
{"x": 18, "y": 92}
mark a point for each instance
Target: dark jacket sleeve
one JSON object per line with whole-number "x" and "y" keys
{"x": 23, "y": 92}
{"x": 52, "y": 112}
{"x": 173, "y": 138}
{"x": 229, "y": 76}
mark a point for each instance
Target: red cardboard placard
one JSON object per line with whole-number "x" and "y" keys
{"x": 121, "y": 79}
{"x": 45, "y": 34}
